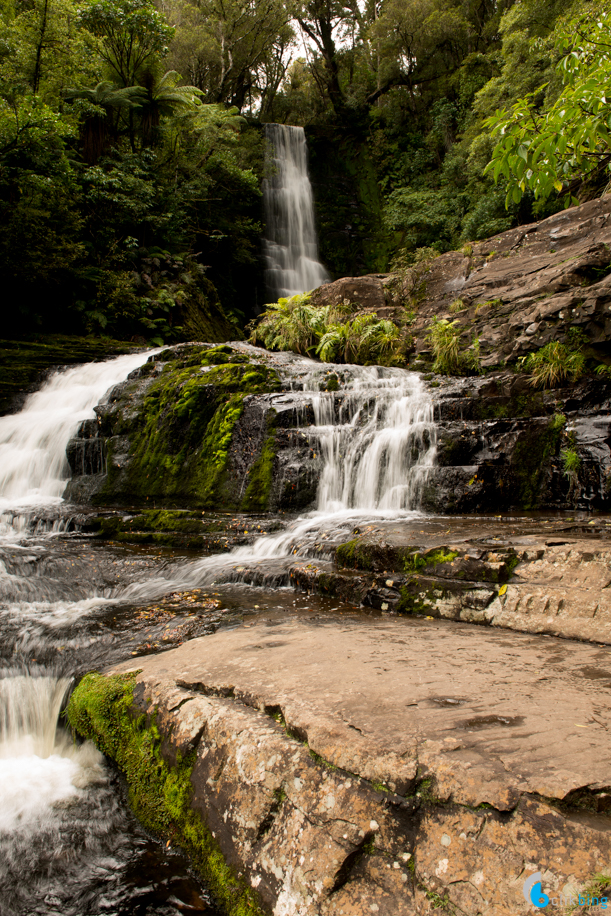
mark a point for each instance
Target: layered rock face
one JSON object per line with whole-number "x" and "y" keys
{"x": 393, "y": 767}
{"x": 518, "y": 290}
{"x": 501, "y": 444}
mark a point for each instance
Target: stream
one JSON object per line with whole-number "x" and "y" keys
{"x": 68, "y": 604}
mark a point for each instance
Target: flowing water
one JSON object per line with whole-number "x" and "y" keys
{"x": 290, "y": 246}
{"x": 68, "y": 844}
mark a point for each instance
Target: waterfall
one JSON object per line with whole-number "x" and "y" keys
{"x": 377, "y": 440}
{"x": 290, "y": 245}
{"x": 33, "y": 465}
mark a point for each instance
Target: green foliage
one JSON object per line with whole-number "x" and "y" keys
{"x": 552, "y": 364}
{"x": 560, "y": 146}
{"x": 558, "y": 421}
{"x": 109, "y": 159}
{"x": 425, "y": 217}
{"x": 131, "y": 35}
{"x": 295, "y": 324}
{"x": 444, "y": 337}
{"x": 457, "y": 305}
{"x": 571, "y": 463}
{"x": 290, "y": 324}
{"x": 160, "y": 795}
{"x": 363, "y": 339}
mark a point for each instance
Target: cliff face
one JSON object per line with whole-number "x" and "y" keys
{"x": 230, "y": 428}
{"x": 515, "y": 292}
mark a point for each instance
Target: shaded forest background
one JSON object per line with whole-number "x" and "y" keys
{"x": 132, "y": 150}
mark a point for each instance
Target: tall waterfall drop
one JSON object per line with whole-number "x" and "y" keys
{"x": 290, "y": 245}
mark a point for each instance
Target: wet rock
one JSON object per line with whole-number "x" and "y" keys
{"x": 349, "y": 765}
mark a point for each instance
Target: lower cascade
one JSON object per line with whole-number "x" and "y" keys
{"x": 376, "y": 439}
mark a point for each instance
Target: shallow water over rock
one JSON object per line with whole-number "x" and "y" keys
{"x": 82, "y": 590}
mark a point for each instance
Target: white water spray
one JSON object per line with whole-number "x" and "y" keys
{"x": 377, "y": 441}
{"x": 39, "y": 765}
{"x": 33, "y": 465}
{"x": 290, "y": 246}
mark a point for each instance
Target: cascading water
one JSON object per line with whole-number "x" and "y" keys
{"x": 33, "y": 466}
{"x": 61, "y": 817}
{"x": 290, "y": 245}
{"x": 68, "y": 844}
{"x": 377, "y": 439}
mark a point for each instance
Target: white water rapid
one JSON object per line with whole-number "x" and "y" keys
{"x": 33, "y": 465}
{"x": 290, "y": 245}
{"x": 66, "y": 603}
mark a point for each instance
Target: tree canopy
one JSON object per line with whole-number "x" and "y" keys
{"x": 131, "y": 149}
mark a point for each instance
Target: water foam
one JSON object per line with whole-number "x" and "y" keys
{"x": 33, "y": 465}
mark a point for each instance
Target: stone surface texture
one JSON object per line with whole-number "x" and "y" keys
{"x": 392, "y": 766}
{"x": 519, "y": 289}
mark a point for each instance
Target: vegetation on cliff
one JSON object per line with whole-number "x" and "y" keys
{"x": 131, "y": 154}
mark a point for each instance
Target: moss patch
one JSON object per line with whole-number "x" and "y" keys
{"x": 181, "y": 436}
{"x": 416, "y": 561}
{"x": 160, "y": 795}
{"x": 261, "y": 477}
{"x": 413, "y": 602}
{"x": 354, "y": 555}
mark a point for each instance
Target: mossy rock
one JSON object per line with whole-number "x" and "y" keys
{"x": 101, "y": 709}
{"x": 180, "y": 424}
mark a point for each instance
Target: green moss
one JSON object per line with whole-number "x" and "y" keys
{"x": 260, "y": 478}
{"x": 223, "y": 354}
{"x": 160, "y": 795}
{"x": 353, "y": 554}
{"x": 412, "y": 603}
{"x": 533, "y": 450}
{"x": 511, "y": 562}
{"x": 180, "y": 441}
{"x": 416, "y": 561}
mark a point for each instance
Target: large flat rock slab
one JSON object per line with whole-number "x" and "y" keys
{"x": 357, "y": 765}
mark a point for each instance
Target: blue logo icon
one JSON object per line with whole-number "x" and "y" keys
{"x": 533, "y": 892}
